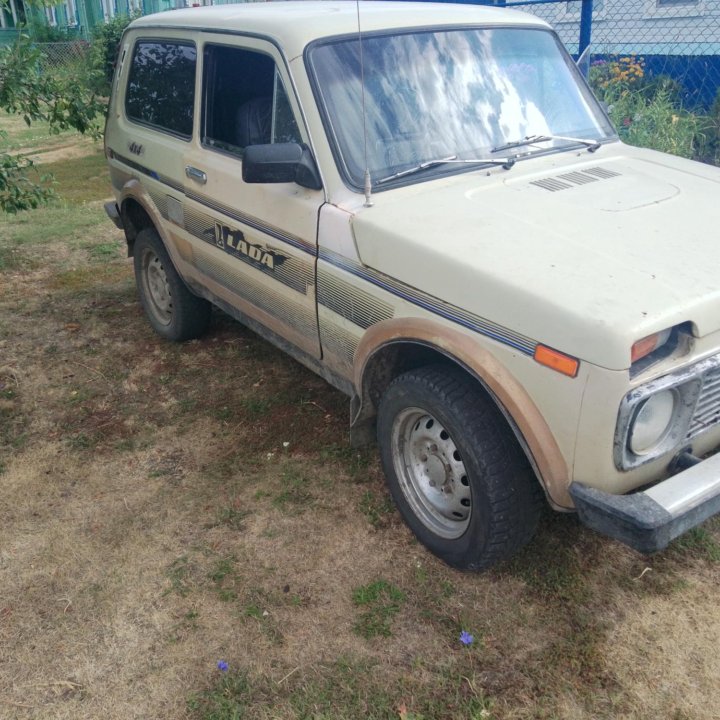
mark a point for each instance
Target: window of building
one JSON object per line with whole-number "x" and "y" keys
{"x": 659, "y": 9}
{"x": 70, "y": 11}
{"x": 51, "y": 16}
{"x": 161, "y": 86}
{"x": 245, "y": 101}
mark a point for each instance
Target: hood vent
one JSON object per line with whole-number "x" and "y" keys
{"x": 573, "y": 179}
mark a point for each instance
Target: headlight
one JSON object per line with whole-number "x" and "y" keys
{"x": 651, "y": 421}
{"x": 654, "y": 419}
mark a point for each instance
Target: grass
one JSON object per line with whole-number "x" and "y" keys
{"x": 701, "y": 542}
{"x": 380, "y": 601}
{"x": 178, "y": 574}
{"x": 294, "y": 495}
{"x": 349, "y": 689}
{"x": 153, "y": 521}
{"x": 22, "y": 137}
{"x": 378, "y": 508}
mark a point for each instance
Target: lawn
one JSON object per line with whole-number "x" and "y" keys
{"x": 185, "y": 533}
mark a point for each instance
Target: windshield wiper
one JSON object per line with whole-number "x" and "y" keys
{"x": 591, "y": 145}
{"x": 451, "y": 160}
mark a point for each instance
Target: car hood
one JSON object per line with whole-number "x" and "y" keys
{"x": 586, "y": 253}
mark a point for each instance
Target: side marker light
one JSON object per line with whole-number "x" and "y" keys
{"x": 557, "y": 361}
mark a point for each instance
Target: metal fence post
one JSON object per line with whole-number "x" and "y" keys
{"x": 586, "y": 18}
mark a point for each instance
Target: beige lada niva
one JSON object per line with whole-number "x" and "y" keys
{"x": 426, "y": 205}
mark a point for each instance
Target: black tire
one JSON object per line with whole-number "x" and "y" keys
{"x": 173, "y": 311}
{"x": 455, "y": 469}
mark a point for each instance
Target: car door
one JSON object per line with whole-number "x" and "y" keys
{"x": 255, "y": 245}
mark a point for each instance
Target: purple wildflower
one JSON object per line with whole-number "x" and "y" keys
{"x": 466, "y": 638}
{"x": 222, "y": 666}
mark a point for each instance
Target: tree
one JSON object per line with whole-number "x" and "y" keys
{"x": 64, "y": 101}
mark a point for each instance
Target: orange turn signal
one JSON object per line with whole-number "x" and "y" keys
{"x": 649, "y": 344}
{"x": 557, "y": 361}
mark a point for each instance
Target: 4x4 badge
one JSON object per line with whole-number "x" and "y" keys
{"x": 135, "y": 148}
{"x": 234, "y": 242}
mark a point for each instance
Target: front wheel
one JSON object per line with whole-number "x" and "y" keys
{"x": 454, "y": 468}
{"x": 173, "y": 311}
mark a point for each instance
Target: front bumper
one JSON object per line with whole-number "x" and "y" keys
{"x": 647, "y": 521}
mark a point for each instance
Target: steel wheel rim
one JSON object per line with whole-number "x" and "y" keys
{"x": 157, "y": 289}
{"x": 431, "y": 473}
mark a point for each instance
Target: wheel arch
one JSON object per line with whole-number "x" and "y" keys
{"x": 395, "y": 346}
{"x": 138, "y": 212}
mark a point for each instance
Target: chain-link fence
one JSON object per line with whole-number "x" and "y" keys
{"x": 63, "y": 54}
{"x": 672, "y": 41}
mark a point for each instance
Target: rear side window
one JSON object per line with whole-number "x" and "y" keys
{"x": 161, "y": 86}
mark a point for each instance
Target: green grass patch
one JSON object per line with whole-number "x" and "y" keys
{"x": 377, "y": 508}
{"x": 229, "y": 516}
{"x": 700, "y": 542}
{"x": 231, "y": 698}
{"x": 28, "y": 239}
{"x": 355, "y": 461}
{"x": 224, "y": 578}
{"x": 50, "y": 225}
{"x": 28, "y": 138}
{"x": 294, "y": 495}
{"x": 255, "y": 407}
{"x": 82, "y": 279}
{"x": 188, "y": 623}
{"x": 348, "y": 689}
{"x": 178, "y": 573}
{"x": 105, "y": 251}
{"x": 82, "y": 179}
{"x": 553, "y": 565}
{"x": 380, "y": 602}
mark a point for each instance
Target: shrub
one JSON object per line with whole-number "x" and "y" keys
{"x": 104, "y": 49}
{"x": 656, "y": 122}
{"x": 647, "y": 111}
{"x": 41, "y": 32}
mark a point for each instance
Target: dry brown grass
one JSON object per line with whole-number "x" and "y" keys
{"x": 152, "y": 523}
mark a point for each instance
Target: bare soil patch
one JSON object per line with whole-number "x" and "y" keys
{"x": 73, "y": 149}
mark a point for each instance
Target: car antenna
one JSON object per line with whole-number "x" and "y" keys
{"x": 367, "y": 185}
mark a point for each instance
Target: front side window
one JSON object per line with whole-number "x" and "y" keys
{"x": 449, "y": 94}
{"x": 245, "y": 102}
{"x": 161, "y": 86}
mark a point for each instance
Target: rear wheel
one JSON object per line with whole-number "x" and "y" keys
{"x": 455, "y": 469}
{"x": 174, "y": 312}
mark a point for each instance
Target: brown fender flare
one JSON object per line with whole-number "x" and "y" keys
{"x": 133, "y": 190}
{"x": 526, "y": 420}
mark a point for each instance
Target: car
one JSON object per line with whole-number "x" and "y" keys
{"x": 426, "y": 205}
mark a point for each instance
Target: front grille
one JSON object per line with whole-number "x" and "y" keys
{"x": 707, "y": 410}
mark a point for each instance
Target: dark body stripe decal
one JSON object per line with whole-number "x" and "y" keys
{"x": 433, "y": 305}
{"x": 478, "y": 324}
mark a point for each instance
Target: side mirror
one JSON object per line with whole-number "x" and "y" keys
{"x": 280, "y": 163}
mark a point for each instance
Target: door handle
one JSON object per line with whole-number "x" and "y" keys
{"x": 195, "y": 174}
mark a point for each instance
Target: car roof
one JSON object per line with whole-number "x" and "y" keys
{"x": 295, "y": 24}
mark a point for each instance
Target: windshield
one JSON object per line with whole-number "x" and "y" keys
{"x": 451, "y": 93}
